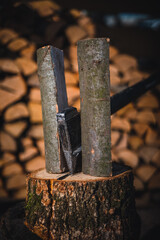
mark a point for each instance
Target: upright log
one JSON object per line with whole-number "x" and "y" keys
{"x": 54, "y": 99}
{"x": 93, "y": 61}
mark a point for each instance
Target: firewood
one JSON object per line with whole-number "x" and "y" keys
{"x": 44, "y": 8}
{"x": 66, "y": 64}
{"x": 35, "y": 95}
{"x": 124, "y": 110}
{"x": 115, "y": 136}
{"x": 7, "y": 143}
{"x": 73, "y": 57}
{"x": 35, "y": 164}
{"x": 145, "y": 172}
{"x": 6, "y": 35}
{"x": 76, "y": 104}
{"x": 121, "y": 124}
{"x": 11, "y": 90}
{"x": 93, "y": 63}
{"x": 71, "y": 79}
{"x": 27, "y": 66}
{"x": 26, "y": 142}
{"x": 15, "y": 129}
{"x": 131, "y": 75}
{"x": 123, "y": 142}
{"x": 140, "y": 128}
{"x": 20, "y": 194}
{"x": 147, "y": 153}
{"x": 151, "y": 137}
{"x": 8, "y": 66}
{"x": 64, "y": 211}
{"x": 125, "y": 62}
{"x": 113, "y": 51}
{"x": 133, "y": 82}
{"x": 36, "y": 131}
{"x": 135, "y": 142}
{"x": 15, "y": 112}
{"x": 148, "y": 101}
{"x": 139, "y": 186}
{"x": 114, "y": 75}
{"x": 17, "y": 44}
{"x": 15, "y": 182}
{"x": 154, "y": 183}
{"x": 90, "y": 29}
{"x": 156, "y": 158}
{"x": 28, "y": 52}
{"x": 131, "y": 114}
{"x": 75, "y": 33}
{"x": 28, "y": 153}
{"x": 12, "y": 169}
{"x": 33, "y": 80}
{"x": 73, "y": 94}
{"x": 146, "y": 116}
{"x": 114, "y": 156}
{"x": 40, "y": 144}
{"x": 128, "y": 157}
{"x": 35, "y": 110}
{"x": 75, "y": 13}
{"x": 7, "y": 158}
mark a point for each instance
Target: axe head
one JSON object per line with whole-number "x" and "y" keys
{"x": 70, "y": 136}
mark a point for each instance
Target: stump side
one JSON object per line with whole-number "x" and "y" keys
{"x": 82, "y": 207}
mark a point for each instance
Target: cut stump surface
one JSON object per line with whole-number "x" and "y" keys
{"x": 82, "y": 206}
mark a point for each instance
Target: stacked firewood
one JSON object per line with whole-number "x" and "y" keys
{"x": 135, "y": 128}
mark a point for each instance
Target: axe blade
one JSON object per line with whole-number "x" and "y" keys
{"x": 70, "y": 136}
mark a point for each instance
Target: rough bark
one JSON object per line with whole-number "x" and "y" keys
{"x": 93, "y": 61}
{"x": 54, "y": 99}
{"x": 82, "y": 206}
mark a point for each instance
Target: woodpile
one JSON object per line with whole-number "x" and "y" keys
{"x": 135, "y": 128}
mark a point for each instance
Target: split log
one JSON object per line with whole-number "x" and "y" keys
{"x": 16, "y": 111}
{"x": 148, "y": 101}
{"x": 54, "y": 99}
{"x": 27, "y": 66}
{"x": 125, "y": 62}
{"x": 35, "y": 164}
{"x": 15, "y": 129}
{"x": 93, "y": 61}
{"x": 11, "y": 170}
{"x": 8, "y": 65}
{"x": 28, "y": 153}
{"x": 29, "y": 51}
{"x": 7, "y": 143}
{"x": 73, "y": 57}
{"x": 11, "y": 90}
{"x": 26, "y": 142}
{"x": 82, "y": 206}
{"x": 17, "y": 44}
{"x": 120, "y": 124}
{"x": 35, "y": 110}
{"x": 6, "y": 35}
{"x": 75, "y": 33}
{"x": 35, "y": 95}
{"x": 145, "y": 172}
{"x": 36, "y": 131}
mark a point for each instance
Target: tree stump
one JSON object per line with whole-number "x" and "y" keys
{"x": 82, "y": 206}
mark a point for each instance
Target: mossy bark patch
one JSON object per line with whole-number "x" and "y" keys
{"x": 38, "y": 207}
